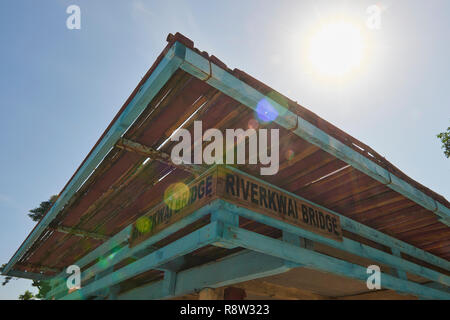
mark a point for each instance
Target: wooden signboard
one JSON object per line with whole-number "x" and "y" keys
{"x": 179, "y": 201}
{"x": 259, "y": 197}
{"x": 240, "y": 189}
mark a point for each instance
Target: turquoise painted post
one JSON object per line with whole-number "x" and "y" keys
{"x": 104, "y": 292}
{"x": 191, "y": 242}
{"x": 114, "y": 292}
{"x": 240, "y": 267}
{"x": 295, "y": 240}
{"x": 169, "y": 282}
{"x": 400, "y": 273}
{"x": 224, "y": 217}
{"x": 291, "y": 238}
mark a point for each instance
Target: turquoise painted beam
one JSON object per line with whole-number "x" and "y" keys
{"x": 222, "y": 80}
{"x": 237, "y": 268}
{"x": 126, "y": 252}
{"x": 201, "y": 68}
{"x": 191, "y": 242}
{"x": 346, "y": 245}
{"x": 367, "y": 232}
{"x": 333, "y": 146}
{"x": 118, "y": 239}
{"x": 311, "y": 259}
{"x": 162, "y": 73}
{"x": 59, "y": 281}
{"x": 438, "y": 286}
{"x": 223, "y": 212}
{"x": 26, "y": 275}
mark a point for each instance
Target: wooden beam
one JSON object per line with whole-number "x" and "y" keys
{"x": 81, "y": 233}
{"x": 148, "y": 90}
{"x": 38, "y": 268}
{"x": 210, "y": 294}
{"x": 354, "y": 227}
{"x": 379, "y": 295}
{"x": 229, "y": 84}
{"x": 264, "y": 288}
{"x": 156, "y": 155}
{"x": 25, "y": 275}
{"x": 358, "y": 248}
{"x": 311, "y": 259}
{"x": 126, "y": 251}
{"x": 191, "y": 242}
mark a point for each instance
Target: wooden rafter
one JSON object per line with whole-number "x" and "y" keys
{"x": 156, "y": 155}
{"x": 81, "y": 233}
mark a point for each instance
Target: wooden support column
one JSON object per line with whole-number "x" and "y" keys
{"x": 210, "y": 294}
{"x": 397, "y": 272}
{"x": 264, "y": 288}
{"x": 233, "y": 293}
{"x": 170, "y": 278}
{"x": 225, "y": 217}
{"x": 114, "y": 292}
{"x": 298, "y": 241}
{"x": 105, "y": 293}
{"x": 306, "y": 243}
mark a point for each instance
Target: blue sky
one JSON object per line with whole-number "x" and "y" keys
{"x": 60, "y": 88}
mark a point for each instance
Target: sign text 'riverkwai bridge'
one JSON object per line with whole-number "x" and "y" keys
{"x": 142, "y": 227}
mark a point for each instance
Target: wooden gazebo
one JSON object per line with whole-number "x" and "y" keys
{"x": 337, "y": 206}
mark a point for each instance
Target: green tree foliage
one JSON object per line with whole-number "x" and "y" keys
{"x": 7, "y": 278}
{"x": 43, "y": 288}
{"x": 445, "y": 139}
{"x": 26, "y": 296}
{"x": 38, "y": 213}
{"x": 35, "y": 214}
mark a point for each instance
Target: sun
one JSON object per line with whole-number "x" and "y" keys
{"x": 336, "y": 48}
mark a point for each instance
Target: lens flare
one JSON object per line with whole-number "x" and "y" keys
{"x": 144, "y": 224}
{"x": 289, "y": 155}
{"x": 253, "y": 124}
{"x": 176, "y": 196}
{"x": 103, "y": 263}
{"x": 265, "y": 111}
